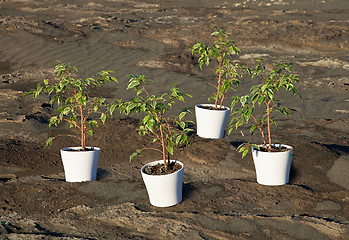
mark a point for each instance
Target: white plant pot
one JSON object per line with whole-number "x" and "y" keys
{"x": 80, "y": 166}
{"x": 273, "y": 168}
{"x": 211, "y": 123}
{"x": 164, "y": 190}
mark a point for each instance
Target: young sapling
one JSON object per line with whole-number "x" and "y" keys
{"x": 227, "y": 73}
{"x": 263, "y": 96}
{"x": 74, "y": 104}
{"x": 166, "y": 130}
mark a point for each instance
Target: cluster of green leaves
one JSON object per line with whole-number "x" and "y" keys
{"x": 74, "y": 104}
{"x": 227, "y": 73}
{"x": 262, "y": 95}
{"x": 166, "y": 130}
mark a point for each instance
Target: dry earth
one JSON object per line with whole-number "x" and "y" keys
{"x": 221, "y": 197}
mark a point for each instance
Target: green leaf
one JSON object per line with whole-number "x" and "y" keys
{"x": 112, "y": 108}
{"x": 180, "y": 98}
{"x": 113, "y": 79}
{"x": 89, "y": 132}
{"x": 255, "y": 97}
{"x": 182, "y": 115}
{"x": 244, "y": 153}
{"x": 132, "y": 84}
{"x": 252, "y": 128}
{"x": 255, "y": 146}
{"x": 66, "y": 110}
{"x": 135, "y": 154}
{"x": 170, "y": 147}
{"x": 130, "y": 107}
{"x": 178, "y": 139}
{"x": 146, "y": 119}
{"x": 243, "y": 100}
{"x": 261, "y": 99}
{"x": 182, "y": 125}
{"x": 214, "y": 33}
{"x": 53, "y": 121}
{"x": 150, "y": 125}
{"x": 93, "y": 123}
{"x": 241, "y": 148}
{"x": 49, "y": 141}
{"x": 103, "y": 118}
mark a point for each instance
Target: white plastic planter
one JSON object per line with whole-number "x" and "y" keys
{"x": 80, "y": 166}
{"x": 164, "y": 190}
{"x": 273, "y": 168}
{"x": 211, "y": 123}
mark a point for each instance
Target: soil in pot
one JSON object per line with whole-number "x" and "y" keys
{"x": 274, "y": 149}
{"x": 212, "y": 108}
{"x": 161, "y": 169}
{"x": 80, "y": 150}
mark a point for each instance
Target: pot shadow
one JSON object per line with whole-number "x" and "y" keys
{"x": 294, "y": 173}
{"x": 336, "y": 148}
{"x": 303, "y": 186}
{"x": 102, "y": 173}
{"x": 53, "y": 179}
{"x": 236, "y": 144}
{"x": 187, "y": 191}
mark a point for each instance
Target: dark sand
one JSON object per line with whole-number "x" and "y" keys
{"x": 221, "y": 197}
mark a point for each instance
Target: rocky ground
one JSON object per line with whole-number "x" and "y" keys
{"x": 221, "y": 197}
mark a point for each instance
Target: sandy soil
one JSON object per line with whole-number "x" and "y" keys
{"x": 221, "y": 197}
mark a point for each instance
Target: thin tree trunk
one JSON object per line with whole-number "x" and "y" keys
{"x": 219, "y": 83}
{"x": 162, "y": 139}
{"x": 269, "y": 134}
{"x": 82, "y": 125}
{"x": 163, "y": 146}
{"x": 260, "y": 129}
{"x": 222, "y": 101}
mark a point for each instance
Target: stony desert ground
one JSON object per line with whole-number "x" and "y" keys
{"x": 221, "y": 198}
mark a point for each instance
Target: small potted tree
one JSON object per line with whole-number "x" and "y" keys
{"x": 272, "y": 161}
{"x": 78, "y": 110}
{"x": 211, "y": 119}
{"x": 164, "y": 178}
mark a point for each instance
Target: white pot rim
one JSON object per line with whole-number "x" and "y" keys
{"x": 78, "y": 148}
{"x": 212, "y": 105}
{"x": 289, "y": 148}
{"x": 161, "y": 161}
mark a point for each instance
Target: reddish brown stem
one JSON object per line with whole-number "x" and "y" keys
{"x": 161, "y": 135}
{"x": 82, "y": 122}
{"x": 213, "y": 86}
{"x": 222, "y": 99}
{"x": 82, "y": 129}
{"x": 219, "y": 82}
{"x": 260, "y": 129}
{"x": 161, "y": 139}
{"x": 268, "y": 122}
{"x": 154, "y": 149}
